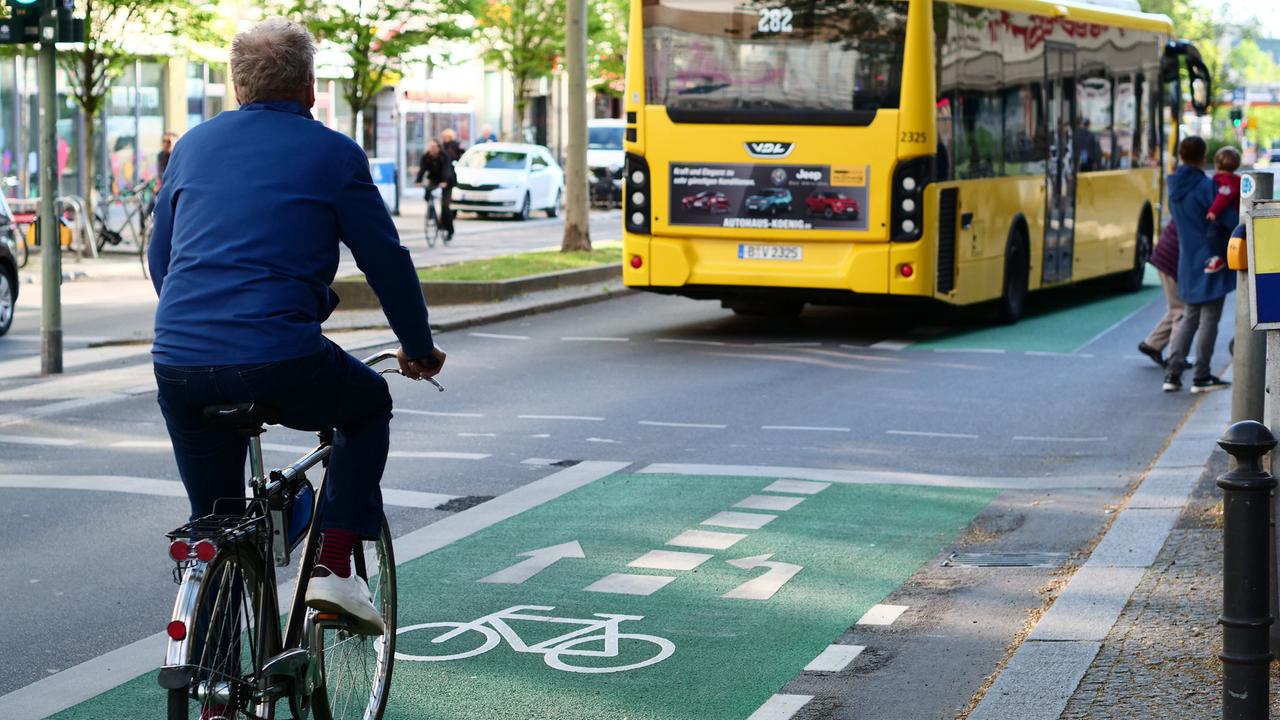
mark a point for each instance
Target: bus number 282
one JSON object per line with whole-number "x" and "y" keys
{"x": 775, "y": 20}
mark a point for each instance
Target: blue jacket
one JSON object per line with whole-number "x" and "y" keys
{"x": 245, "y": 243}
{"x": 1190, "y": 195}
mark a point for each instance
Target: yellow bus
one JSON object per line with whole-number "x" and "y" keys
{"x": 783, "y": 152}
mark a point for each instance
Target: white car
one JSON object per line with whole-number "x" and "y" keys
{"x": 605, "y": 158}
{"x": 511, "y": 178}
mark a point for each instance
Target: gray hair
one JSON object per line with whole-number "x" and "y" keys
{"x": 273, "y": 60}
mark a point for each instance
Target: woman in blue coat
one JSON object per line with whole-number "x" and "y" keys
{"x": 1190, "y": 195}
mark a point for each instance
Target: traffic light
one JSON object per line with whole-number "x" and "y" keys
{"x": 1237, "y": 117}
{"x": 23, "y": 24}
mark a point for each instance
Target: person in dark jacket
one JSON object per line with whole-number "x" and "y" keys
{"x": 437, "y": 168}
{"x": 1190, "y": 196}
{"x": 450, "y": 145}
{"x": 1165, "y": 259}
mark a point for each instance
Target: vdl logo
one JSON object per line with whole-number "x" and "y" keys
{"x": 769, "y": 149}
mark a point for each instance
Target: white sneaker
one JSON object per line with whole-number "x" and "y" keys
{"x": 349, "y": 596}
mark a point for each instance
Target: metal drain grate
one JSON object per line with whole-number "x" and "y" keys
{"x": 1005, "y": 559}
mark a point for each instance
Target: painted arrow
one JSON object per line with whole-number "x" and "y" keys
{"x": 538, "y": 561}
{"x": 763, "y": 587}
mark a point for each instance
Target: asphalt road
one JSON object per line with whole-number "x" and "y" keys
{"x": 659, "y": 380}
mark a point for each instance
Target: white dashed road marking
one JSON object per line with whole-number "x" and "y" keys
{"x": 496, "y": 336}
{"x": 24, "y": 440}
{"x": 982, "y": 351}
{"x": 769, "y": 502}
{"x": 882, "y": 614}
{"x": 580, "y": 418}
{"x": 1044, "y": 438}
{"x": 780, "y": 707}
{"x": 143, "y": 444}
{"x": 658, "y": 423}
{"x": 806, "y": 428}
{"x": 434, "y": 413}
{"x": 682, "y": 341}
{"x": 739, "y": 520}
{"x": 886, "y": 345}
{"x": 437, "y": 455}
{"x": 627, "y": 584}
{"x": 835, "y": 658}
{"x": 574, "y": 338}
{"x": 669, "y": 560}
{"x": 706, "y": 539}
{"x": 921, "y": 433}
{"x": 799, "y": 487}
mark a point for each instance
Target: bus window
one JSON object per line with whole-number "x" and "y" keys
{"x": 1126, "y": 122}
{"x": 1024, "y": 142}
{"x": 774, "y": 60}
{"x": 1093, "y": 133}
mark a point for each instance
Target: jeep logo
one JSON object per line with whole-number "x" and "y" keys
{"x": 769, "y": 149}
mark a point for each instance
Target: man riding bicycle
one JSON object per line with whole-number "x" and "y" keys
{"x": 247, "y": 225}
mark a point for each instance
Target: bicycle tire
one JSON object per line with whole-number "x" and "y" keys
{"x": 363, "y": 698}
{"x": 239, "y": 567}
{"x": 433, "y": 226}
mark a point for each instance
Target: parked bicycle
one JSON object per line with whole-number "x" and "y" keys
{"x": 126, "y": 215}
{"x": 227, "y": 653}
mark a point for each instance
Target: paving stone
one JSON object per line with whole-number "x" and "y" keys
{"x": 1135, "y": 538}
{"x": 1089, "y": 605}
{"x": 1038, "y": 681}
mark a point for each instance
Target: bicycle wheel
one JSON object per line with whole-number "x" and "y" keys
{"x": 143, "y": 241}
{"x": 433, "y": 224}
{"x": 234, "y": 632}
{"x": 357, "y": 668}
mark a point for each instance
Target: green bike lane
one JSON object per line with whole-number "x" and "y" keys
{"x": 729, "y": 586}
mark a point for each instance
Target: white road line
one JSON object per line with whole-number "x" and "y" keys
{"x": 682, "y": 341}
{"x": 799, "y": 487}
{"x": 496, "y": 336}
{"x": 983, "y": 351}
{"x": 884, "y": 345}
{"x": 835, "y": 658}
{"x": 669, "y": 560}
{"x": 26, "y": 440}
{"x": 434, "y": 413}
{"x": 1049, "y": 438}
{"x": 581, "y": 418}
{"x": 921, "y": 433}
{"x": 627, "y": 584}
{"x": 61, "y": 406}
{"x": 739, "y": 520}
{"x": 436, "y": 455}
{"x": 769, "y": 502}
{"x": 780, "y": 707}
{"x": 1111, "y": 327}
{"x": 882, "y": 614}
{"x": 606, "y": 441}
{"x": 142, "y": 444}
{"x": 278, "y": 447}
{"x": 415, "y": 499}
{"x": 806, "y": 428}
{"x": 588, "y": 338}
{"x": 477, "y": 434}
{"x": 659, "y": 423}
{"x": 706, "y": 539}
{"x": 93, "y": 677}
{"x": 1045, "y": 353}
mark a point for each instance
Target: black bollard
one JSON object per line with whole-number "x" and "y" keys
{"x": 1246, "y": 605}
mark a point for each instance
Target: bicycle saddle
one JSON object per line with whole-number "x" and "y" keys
{"x": 242, "y": 416}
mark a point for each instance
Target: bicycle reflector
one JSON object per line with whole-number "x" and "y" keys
{"x": 205, "y": 551}
{"x": 179, "y": 551}
{"x": 177, "y": 630}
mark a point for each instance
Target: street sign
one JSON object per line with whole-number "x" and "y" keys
{"x": 1263, "y": 228}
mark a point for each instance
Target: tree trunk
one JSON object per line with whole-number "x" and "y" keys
{"x": 577, "y": 235}
{"x": 90, "y": 165}
{"x": 520, "y": 105}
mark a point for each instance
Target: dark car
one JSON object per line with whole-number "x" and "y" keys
{"x": 8, "y": 285}
{"x": 706, "y": 201}
{"x": 833, "y": 204}
{"x": 769, "y": 202}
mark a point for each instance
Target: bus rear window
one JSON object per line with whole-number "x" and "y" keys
{"x": 784, "y": 61}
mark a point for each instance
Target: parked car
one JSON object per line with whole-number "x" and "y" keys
{"x": 770, "y": 202}
{"x": 832, "y": 204}
{"x": 8, "y": 284}
{"x": 514, "y": 178}
{"x": 706, "y": 201}
{"x": 605, "y": 158}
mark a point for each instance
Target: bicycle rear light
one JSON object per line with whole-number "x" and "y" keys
{"x": 205, "y": 551}
{"x": 177, "y": 630}
{"x": 179, "y": 551}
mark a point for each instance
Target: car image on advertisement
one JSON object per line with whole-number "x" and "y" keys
{"x": 769, "y": 202}
{"x": 511, "y": 178}
{"x": 706, "y": 201}
{"x": 831, "y": 204}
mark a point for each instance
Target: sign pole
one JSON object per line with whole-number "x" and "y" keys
{"x": 1249, "y": 362}
{"x": 50, "y": 242}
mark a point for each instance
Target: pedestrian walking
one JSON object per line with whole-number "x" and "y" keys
{"x": 1191, "y": 195}
{"x": 1165, "y": 260}
{"x": 437, "y": 169}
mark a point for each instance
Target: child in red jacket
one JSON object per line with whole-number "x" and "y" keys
{"x": 1227, "y": 185}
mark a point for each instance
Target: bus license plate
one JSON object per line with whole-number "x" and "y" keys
{"x": 770, "y": 252}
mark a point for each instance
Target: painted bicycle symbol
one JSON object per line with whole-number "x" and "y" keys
{"x": 494, "y": 629}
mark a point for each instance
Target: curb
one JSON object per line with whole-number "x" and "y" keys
{"x": 1044, "y": 672}
{"x": 357, "y": 295}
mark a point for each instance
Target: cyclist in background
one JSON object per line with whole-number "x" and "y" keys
{"x": 245, "y": 247}
{"x": 436, "y": 168}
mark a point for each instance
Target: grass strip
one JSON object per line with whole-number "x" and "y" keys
{"x": 507, "y": 267}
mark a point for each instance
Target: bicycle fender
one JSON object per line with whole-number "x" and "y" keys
{"x": 175, "y": 672}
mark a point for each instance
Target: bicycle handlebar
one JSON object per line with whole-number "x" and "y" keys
{"x": 385, "y": 355}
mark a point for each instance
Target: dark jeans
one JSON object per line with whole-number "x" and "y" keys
{"x": 329, "y": 389}
{"x": 1203, "y": 317}
{"x": 445, "y": 216}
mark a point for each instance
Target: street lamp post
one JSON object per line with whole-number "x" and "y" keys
{"x": 50, "y": 243}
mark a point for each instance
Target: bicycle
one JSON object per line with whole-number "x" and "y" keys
{"x": 494, "y": 628}
{"x": 433, "y": 230}
{"x": 137, "y": 203}
{"x": 227, "y": 651}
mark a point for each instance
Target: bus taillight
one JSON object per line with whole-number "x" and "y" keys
{"x": 906, "y": 270}
{"x": 909, "y": 180}
{"x": 637, "y": 210}
{"x": 637, "y": 262}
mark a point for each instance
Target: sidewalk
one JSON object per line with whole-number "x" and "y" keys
{"x": 1135, "y": 633}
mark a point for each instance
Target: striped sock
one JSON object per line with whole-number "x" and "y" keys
{"x": 335, "y": 551}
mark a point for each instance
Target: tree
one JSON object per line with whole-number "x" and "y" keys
{"x": 524, "y": 38}
{"x": 607, "y": 25}
{"x": 106, "y": 51}
{"x": 377, "y": 37}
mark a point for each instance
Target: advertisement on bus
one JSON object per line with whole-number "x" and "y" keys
{"x": 774, "y": 197}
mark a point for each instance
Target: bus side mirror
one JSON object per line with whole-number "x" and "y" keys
{"x": 1201, "y": 85}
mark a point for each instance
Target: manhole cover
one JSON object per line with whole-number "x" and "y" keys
{"x": 1005, "y": 559}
